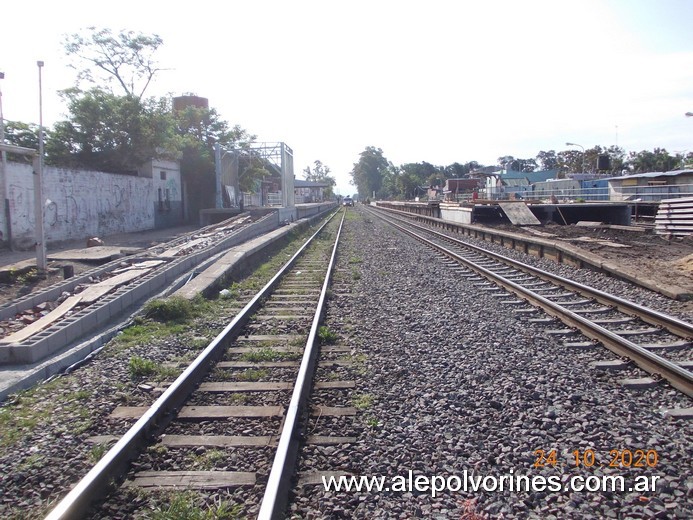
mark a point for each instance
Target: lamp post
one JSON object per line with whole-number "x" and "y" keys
{"x": 5, "y": 196}
{"x": 38, "y": 189}
{"x": 583, "y": 154}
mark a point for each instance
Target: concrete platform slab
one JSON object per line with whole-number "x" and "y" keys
{"x": 616, "y": 364}
{"x": 93, "y": 254}
{"x": 640, "y": 383}
{"x": 679, "y": 413}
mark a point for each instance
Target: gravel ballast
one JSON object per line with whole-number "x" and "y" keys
{"x": 456, "y": 382}
{"x": 461, "y": 384}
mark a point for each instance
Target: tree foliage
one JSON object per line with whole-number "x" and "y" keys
{"x": 320, "y": 173}
{"x": 126, "y": 58}
{"x": 658, "y": 160}
{"x": 24, "y": 135}
{"x": 367, "y": 174}
{"x": 119, "y": 133}
{"x": 509, "y": 162}
{"x": 198, "y": 130}
{"x": 110, "y": 133}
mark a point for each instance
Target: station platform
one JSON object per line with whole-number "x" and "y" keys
{"x": 492, "y": 212}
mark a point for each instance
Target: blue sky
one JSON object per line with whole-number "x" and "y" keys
{"x": 436, "y": 81}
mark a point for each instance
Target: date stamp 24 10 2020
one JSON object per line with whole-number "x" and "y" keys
{"x": 588, "y": 458}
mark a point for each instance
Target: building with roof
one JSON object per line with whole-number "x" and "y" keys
{"x": 651, "y": 186}
{"x": 502, "y": 183}
{"x": 310, "y": 191}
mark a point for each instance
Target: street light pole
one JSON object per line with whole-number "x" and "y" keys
{"x": 5, "y": 195}
{"x": 38, "y": 189}
{"x": 583, "y": 154}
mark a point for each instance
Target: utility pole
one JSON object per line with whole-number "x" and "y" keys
{"x": 4, "y": 196}
{"x": 41, "y": 263}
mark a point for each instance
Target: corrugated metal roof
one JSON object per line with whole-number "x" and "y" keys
{"x": 673, "y": 173}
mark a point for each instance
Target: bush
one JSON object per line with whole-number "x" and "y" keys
{"x": 170, "y": 309}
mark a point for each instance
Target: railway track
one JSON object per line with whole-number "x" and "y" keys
{"x": 603, "y": 318}
{"x": 238, "y": 405}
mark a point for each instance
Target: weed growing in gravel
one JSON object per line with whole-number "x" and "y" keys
{"x": 333, "y": 376}
{"x": 80, "y": 419}
{"x": 252, "y": 374}
{"x": 232, "y": 292}
{"x": 29, "y": 277}
{"x": 267, "y": 354}
{"x": 362, "y": 401}
{"x": 208, "y": 460}
{"x": 141, "y": 333}
{"x": 298, "y": 342}
{"x": 97, "y": 451}
{"x": 158, "y": 450}
{"x": 355, "y": 274}
{"x": 35, "y": 460}
{"x": 197, "y": 344}
{"x": 167, "y": 373}
{"x": 22, "y": 415}
{"x": 238, "y": 398}
{"x": 139, "y": 367}
{"x": 181, "y": 505}
{"x": 174, "y": 309}
{"x": 372, "y": 422}
{"x": 352, "y": 215}
{"x": 222, "y": 374}
{"x": 327, "y": 336}
{"x": 355, "y": 260}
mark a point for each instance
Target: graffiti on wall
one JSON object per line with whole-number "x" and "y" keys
{"x": 79, "y": 204}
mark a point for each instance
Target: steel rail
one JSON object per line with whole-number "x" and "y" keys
{"x": 279, "y": 482}
{"x": 677, "y": 376}
{"x": 674, "y": 325}
{"x": 95, "y": 483}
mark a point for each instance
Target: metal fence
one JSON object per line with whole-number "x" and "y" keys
{"x": 615, "y": 194}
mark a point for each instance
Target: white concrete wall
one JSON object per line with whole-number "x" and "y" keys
{"x": 456, "y": 214}
{"x": 82, "y": 204}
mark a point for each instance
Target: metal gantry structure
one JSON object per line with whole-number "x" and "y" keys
{"x": 277, "y": 155}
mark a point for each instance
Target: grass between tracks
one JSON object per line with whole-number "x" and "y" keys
{"x": 179, "y": 505}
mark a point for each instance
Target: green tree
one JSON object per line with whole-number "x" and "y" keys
{"x": 420, "y": 174}
{"x": 617, "y": 156}
{"x": 547, "y": 160}
{"x": 659, "y": 160}
{"x": 126, "y": 58}
{"x": 24, "y": 135}
{"x": 110, "y": 133}
{"x": 457, "y": 170}
{"x": 368, "y": 173}
{"x": 569, "y": 161}
{"x": 320, "y": 173}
